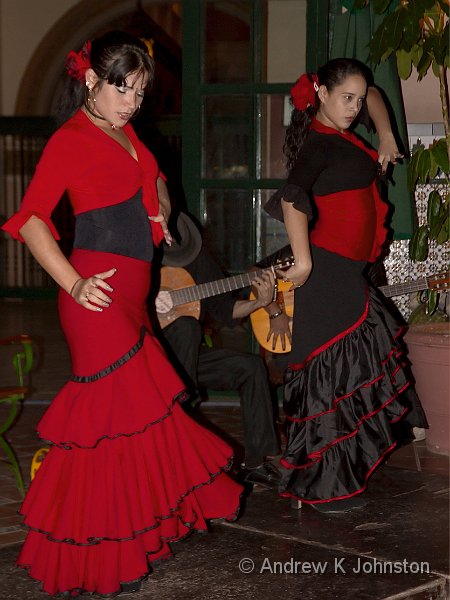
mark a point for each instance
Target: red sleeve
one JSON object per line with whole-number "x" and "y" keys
{"x": 49, "y": 182}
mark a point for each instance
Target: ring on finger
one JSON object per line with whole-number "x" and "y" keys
{"x": 86, "y": 295}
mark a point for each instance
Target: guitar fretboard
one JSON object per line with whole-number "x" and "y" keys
{"x": 213, "y": 288}
{"x": 397, "y": 289}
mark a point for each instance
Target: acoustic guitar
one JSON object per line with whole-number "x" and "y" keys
{"x": 186, "y": 295}
{"x": 260, "y": 318}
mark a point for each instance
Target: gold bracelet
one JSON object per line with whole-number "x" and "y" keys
{"x": 71, "y": 289}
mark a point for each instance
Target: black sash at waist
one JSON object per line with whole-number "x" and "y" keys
{"x": 120, "y": 229}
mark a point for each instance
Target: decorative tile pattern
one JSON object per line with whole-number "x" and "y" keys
{"x": 399, "y": 267}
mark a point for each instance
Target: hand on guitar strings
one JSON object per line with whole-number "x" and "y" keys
{"x": 280, "y": 327}
{"x": 263, "y": 288}
{"x": 163, "y": 302}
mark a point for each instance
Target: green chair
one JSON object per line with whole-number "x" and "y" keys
{"x": 12, "y": 396}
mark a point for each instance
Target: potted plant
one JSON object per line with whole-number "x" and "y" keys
{"x": 417, "y": 32}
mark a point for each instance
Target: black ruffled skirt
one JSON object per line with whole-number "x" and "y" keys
{"x": 348, "y": 392}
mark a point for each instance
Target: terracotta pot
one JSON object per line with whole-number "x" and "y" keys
{"x": 428, "y": 346}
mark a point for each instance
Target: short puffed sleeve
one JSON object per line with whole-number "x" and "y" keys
{"x": 297, "y": 189}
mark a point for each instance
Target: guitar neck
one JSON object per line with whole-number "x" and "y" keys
{"x": 213, "y": 288}
{"x": 397, "y": 289}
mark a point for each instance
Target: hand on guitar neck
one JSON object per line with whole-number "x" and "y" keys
{"x": 180, "y": 296}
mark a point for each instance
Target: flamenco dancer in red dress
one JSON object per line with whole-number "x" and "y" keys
{"x": 346, "y": 387}
{"x": 128, "y": 471}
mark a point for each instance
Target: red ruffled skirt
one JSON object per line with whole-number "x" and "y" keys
{"x": 128, "y": 471}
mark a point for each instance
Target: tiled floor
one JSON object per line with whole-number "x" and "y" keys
{"x": 408, "y": 506}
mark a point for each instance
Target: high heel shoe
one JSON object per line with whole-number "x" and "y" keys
{"x": 130, "y": 587}
{"x": 296, "y": 504}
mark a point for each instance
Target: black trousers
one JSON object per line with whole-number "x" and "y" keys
{"x": 223, "y": 369}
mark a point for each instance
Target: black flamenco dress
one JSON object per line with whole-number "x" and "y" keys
{"x": 128, "y": 471}
{"x": 347, "y": 383}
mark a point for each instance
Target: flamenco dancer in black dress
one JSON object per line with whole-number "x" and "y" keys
{"x": 346, "y": 385}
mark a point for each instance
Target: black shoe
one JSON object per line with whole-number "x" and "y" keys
{"x": 130, "y": 587}
{"x": 125, "y": 589}
{"x": 340, "y": 506}
{"x": 265, "y": 475}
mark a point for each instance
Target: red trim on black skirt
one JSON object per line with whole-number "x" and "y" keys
{"x": 336, "y": 338}
{"x": 350, "y": 394}
{"x": 317, "y": 454}
{"x": 366, "y": 477}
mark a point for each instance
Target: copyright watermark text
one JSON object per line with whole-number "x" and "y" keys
{"x": 338, "y": 566}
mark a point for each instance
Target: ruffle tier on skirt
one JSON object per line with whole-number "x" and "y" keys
{"x": 342, "y": 404}
{"x": 128, "y": 471}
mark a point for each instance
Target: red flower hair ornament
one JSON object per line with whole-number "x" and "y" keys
{"x": 304, "y": 91}
{"x": 77, "y": 63}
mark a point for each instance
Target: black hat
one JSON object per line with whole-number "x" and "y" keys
{"x": 186, "y": 244}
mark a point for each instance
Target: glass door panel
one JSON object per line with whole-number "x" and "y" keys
{"x": 275, "y": 116}
{"x": 228, "y": 218}
{"x": 226, "y": 123}
{"x": 226, "y": 42}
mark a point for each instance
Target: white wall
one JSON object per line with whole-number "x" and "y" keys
{"x": 23, "y": 24}
{"x": 286, "y": 40}
{"x": 421, "y": 99}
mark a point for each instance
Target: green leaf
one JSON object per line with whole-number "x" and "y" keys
{"x": 404, "y": 64}
{"x": 434, "y": 214}
{"x": 433, "y": 166}
{"x": 443, "y": 236}
{"x": 383, "y": 42}
{"x": 435, "y": 67}
{"x": 411, "y": 32}
{"x": 423, "y": 166}
{"x": 416, "y": 54}
{"x": 440, "y": 155}
{"x": 398, "y": 25}
{"x": 425, "y": 61}
{"x": 432, "y": 303}
{"x": 418, "y": 245}
{"x": 442, "y": 46}
{"x": 435, "y": 49}
{"x": 412, "y": 168}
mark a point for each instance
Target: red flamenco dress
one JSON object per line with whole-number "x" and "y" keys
{"x": 347, "y": 389}
{"x": 128, "y": 471}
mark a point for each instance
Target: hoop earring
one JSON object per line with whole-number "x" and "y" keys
{"x": 136, "y": 110}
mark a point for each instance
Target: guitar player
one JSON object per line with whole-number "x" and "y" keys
{"x": 221, "y": 368}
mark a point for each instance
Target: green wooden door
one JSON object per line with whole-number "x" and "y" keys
{"x": 240, "y": 59}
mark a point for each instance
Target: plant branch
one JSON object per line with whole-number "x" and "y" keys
{"x": 443, "y": 91}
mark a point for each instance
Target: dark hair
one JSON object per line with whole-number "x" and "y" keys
{"x": 113, "y": 57}
{"x": 332, "y": 74}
